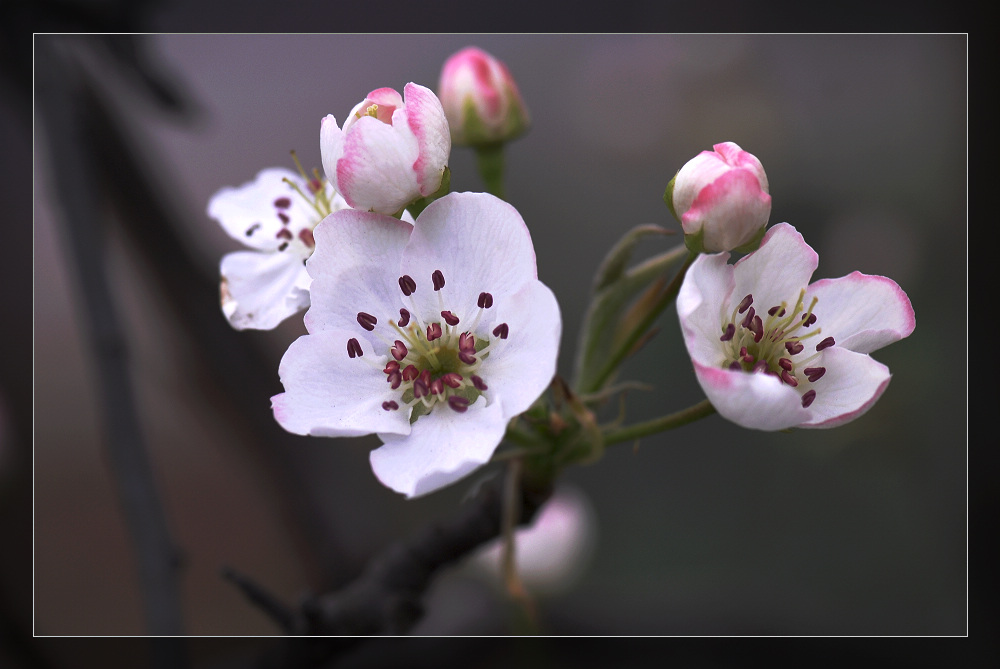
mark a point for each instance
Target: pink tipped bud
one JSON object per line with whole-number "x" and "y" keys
{"x": 481, "y": 99}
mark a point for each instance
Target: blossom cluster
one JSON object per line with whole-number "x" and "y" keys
{"x": 428, "y": 326}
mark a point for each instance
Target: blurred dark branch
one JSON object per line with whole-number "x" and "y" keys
{"x": 386, "y": 597}
{"x": 60, "y": 91}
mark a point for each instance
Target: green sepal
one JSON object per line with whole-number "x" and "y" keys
{"x": 421, "y": 203}
{"x": 754, "y": 242}
{"x": 668, "y": 197}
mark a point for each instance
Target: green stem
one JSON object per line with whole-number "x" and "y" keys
{"x": 661, "y": 424}
{"x": 623, "y": 350}
{"x": 489, "y": 158}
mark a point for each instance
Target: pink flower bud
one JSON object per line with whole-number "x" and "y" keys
{"x": 721, "y": 199}
{"x": 388, "y": 152}
{"x": 480, "y": 99}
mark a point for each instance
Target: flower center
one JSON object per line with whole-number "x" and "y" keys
{"x": 434, "y": 359}
{"x": 775, "y": 344}
{"x": 318, "y": 199}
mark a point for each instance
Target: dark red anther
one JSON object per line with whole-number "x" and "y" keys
{"x": 466, "y": 357}
{"x": 390, "y": 405}
{"x": 458, "y": 403}
{"x": 394, "y": 380}
{"x": 398, "y": 350}
{"x": 757, "y": 327}
{"x": 761, "y": 366}
{"x": 826, "y": 343}
{"x": 282, "y": 203}
{"x": 466, "y": 342}
{"x": 728, "y": 334}
{"x": 814, "y": 373}
{"x": 391, "y": 366}
{"x": 745, "y": 304}
{"x": 354, "y": 348}
{"x": 776, "y": 311}
{"x": 485, "y": 301}
{"x": 407, "y": 285}
{"x": 735, "y": 365}
{"x": 367, "y": 321}
{"x": 282, "y": 246}
{"x": 449, "y": 318}
{"x": 807, "y": 398}
{"x": 425, "y": 377}
{"x": 788, "y": 378}
{"x": 306, "y": 235}
{"x": 501, "y": 331}
{"x": 785, "y": 363}
{"x": 438, "y": 278}
{"x": 315, "y": 186}
{"x": 793, "y": 347}
{"x": 284, "y": 233}
{"x": 284, "y": 218}
{"x": 420, "y": 388}
{"x": 410, "y": 372}
{"x": 404, "y": 318}
{"x": 252, "y": 229}
{"x": 433, "y": 331}
{"x": 452, "y": 380}
{"x": 436, "y": 387}
{"x": 808, "y": 319}
{"x": 478, "y": 382}
{"x": 748, "y": 319}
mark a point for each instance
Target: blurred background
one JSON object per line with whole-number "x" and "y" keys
{"x": 707, "y": 530}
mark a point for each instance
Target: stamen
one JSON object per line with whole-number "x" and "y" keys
{"x": 466, "y": 357}
{"x": 728, "y": 334}
{"x": 283, "y": 203}
{"x": 735, "y": 366}
{"x": 438, "y": 278}
{"x": 793, "y": 347}
{"x": 404, "y": 318}
{"x": 485, "y": 301}
{"x": 367, "y": 321}
{"x": 410, "y": 372}
{"x": 452, "y": 380}
{"x": 420, "y": 388}
{"x": 283, "y": 217}
{"x": 252, "y": 229}
{"x": 745, "y": 304}
{"x": 788, "y": 378}
{"x": 749, "y": 317}
{"x": 390, "y": 405}
{"x": 354, "y": 348}
{"x": 478, "y": 382}
{"x": 284, "y": 233}
{"x": 778, "y": 311}
{"x": 501, "y": 331}
{"x": 757, "y": 327}
{"x": 814, "y": 373}
{"x": 449, "y": 318}
{"x": 761, "y": 366}
{"x": 399, "y": 350}
{"x": 407, "y": 285}
{"x": 283, "y": 246}
{"x": 433, "y": 331}
{"x": 458, "y": 403}
{"x": 785, "y": 363}
{"x": 306, "y": 235}
{"x": 437, "y": 387}
{"x": 808, "y": 319}
{"x": 826, "y": 343}
{"x": 391, "y": 366}
{"x": 394, "y": 380}
{"x": 807, "y": 398}
{"x": 466, "y": 342}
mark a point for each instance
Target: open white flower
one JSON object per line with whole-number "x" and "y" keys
{"x": 275, "y": 215}
{"x": 772, "y": 351}
{"x": 433, "y": 336}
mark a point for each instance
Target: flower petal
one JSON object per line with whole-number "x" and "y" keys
{"x": 479, "y": 242}
{"x": 754, "y": 400}
{"x": 249, "y": 215}
{"x": 851, "y": 385}
{"x": 355, "y": 269}
{"x": 429, "y": 125}
{"x": 778, "y": 270}
{"x": 862, "y": 312}
{"x": 329, "y": 394}
{"x": 259, "y": 289}
{"x": 519, "y": 368}
{"x": 442, "y": 447}
{"x": 375, "y": 172}
{"x": 702, "y": 304}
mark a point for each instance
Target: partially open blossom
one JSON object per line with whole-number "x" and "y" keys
{"x": 275, "y": 215}
{"x": 432, "y": 335}
{"x": 481, "y": 99}
{"x": 772, "y": 351}
{"x": 389, "y": 152}
{"x": 721, "y": 199}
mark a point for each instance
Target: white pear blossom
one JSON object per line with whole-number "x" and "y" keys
{"x": 432, "y": 336}
{"x": 275, "y": 215}
{"x": 772, "y": 351}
